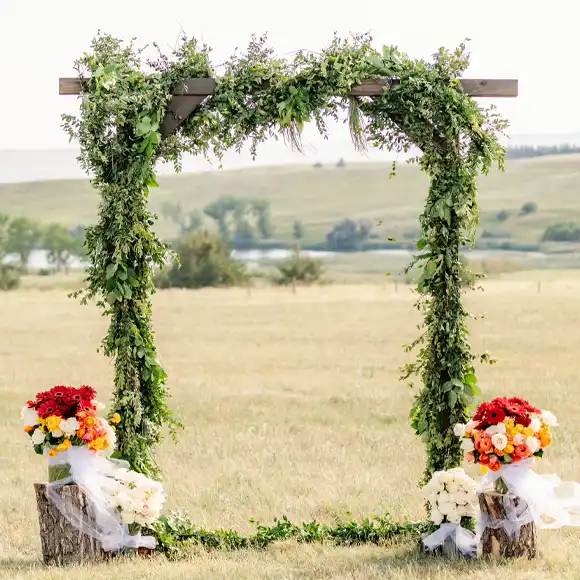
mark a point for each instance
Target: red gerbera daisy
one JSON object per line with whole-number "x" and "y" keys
{"x": 494, "y": 415}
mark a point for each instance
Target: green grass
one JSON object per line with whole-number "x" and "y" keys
{"x": 321, "y": 197}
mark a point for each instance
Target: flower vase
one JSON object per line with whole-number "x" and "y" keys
{"x": 57, "y": 468}
{"x": 449, "y": 548}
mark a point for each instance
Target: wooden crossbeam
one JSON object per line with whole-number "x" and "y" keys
{"x": 368, "y": 88}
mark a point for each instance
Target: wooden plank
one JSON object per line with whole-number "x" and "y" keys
{"x": 180, "y": 107}
{"x": 368, "y": 88}
{"x": 190, "y": 87}
{"x": 473, "y": 87}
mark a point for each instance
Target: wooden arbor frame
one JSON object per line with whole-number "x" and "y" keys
{"x": 187, "y": 96}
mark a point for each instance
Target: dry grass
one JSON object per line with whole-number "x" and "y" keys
{"x": 292, "y": 406}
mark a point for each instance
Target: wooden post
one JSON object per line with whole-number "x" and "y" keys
{"x": 497, "y": 542}
{"x": 62, "y": 543}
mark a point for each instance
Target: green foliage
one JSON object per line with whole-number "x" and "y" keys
{"x": 349, "y": 235}
{"x": 188, "y": 222}
{"x": 502, "y": 215}
{"x": 298, "y": 230}
{"x": 299, "y": 268}
{"x": 528, "y": 208}
{"x": 175, "y": 533}
{"x": 24, "y": 235}
{"x": 261, "y": 96}
{"x": 61, "y": 246}
{"x": 204, "y": 260}
{"x": 562, "y": 232}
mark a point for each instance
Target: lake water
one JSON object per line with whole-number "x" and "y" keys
{"x": 39, "y": 258}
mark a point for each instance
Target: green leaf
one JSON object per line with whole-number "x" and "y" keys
{"x": 458, "y": 383}
{"x": 109, "y": 69}
{"x": 507, "y": 458}
{"x": 447, "y": 386}
{"x": 470, "y": 379}
{"x": 452, "y": 398}
{"x": 111, "y": 271}
{"x": 421, "y": 244}
{"x": 421, "y": 426}
{"x": 99, "y": 72}
{"x": 112, "y": 297}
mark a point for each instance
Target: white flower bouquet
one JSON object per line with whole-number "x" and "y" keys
{"x": 452, "y": 497}
{"x": 137, "y": 498}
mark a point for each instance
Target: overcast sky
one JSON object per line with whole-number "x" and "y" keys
{"x": 532, "y": 41}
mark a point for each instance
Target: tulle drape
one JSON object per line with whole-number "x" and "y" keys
{"x": 90, "y": 472}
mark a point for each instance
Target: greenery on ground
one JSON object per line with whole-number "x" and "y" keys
{"x": 299, "y": 268}
{"x": 175, "y": 533}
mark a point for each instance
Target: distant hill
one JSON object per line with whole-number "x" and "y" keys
{"x": 320, "y": 197}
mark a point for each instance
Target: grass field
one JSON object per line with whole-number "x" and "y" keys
{"x": 321, "y": 197}
{"x": 292, "y": 406}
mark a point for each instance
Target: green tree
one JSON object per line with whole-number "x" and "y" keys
{"x": 528, "y": 208}
{"x": 502, "y": 215}
{"x": 188, "y": 222}
{"x": 261, "y": 208}
{"x": 61, "y": 246}
{"x": 562, "y": 232}
{"x": 205, "y": 260}
{"x": 299, "y": 268}
{"x": 298, "y": 230}
{"x": 9, "y": 275}
{"x": 349, "y": 235}
{"x": 24, "y": 235}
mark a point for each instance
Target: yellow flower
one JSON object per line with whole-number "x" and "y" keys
{"x": 116, "y": 418}
{"x": 509, "y": 448}
{"x": 509, "y": 423}
{"x": 64, "y": 445}
{"x": 519, "y": 428}
{"x": 483, "y": 468}
{"x": 98, "y": 444}
{"x": 528, "y": 432}
{"x": 53, "y": 453}
{"x": 53, "y": 422}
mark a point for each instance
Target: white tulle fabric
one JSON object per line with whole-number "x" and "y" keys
{"x": 465, "y": 540}
{"x": 549, "y": 502}
{"x": 90, "y": 472}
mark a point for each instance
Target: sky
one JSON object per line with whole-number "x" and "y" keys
{"x": 528, "y": 40}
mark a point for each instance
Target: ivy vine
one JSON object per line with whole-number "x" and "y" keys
{"x": 260, "y": 96}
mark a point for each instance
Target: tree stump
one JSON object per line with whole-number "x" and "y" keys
{"x": 495, "y": 541}
{"x": 62, "y": 543}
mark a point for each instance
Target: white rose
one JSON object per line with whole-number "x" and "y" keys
{"x": 533, "y": 443}
{"x": 519, "y": 439}
{"x": 128, "y": 517}
{"x": 467, "y": 445}
{"x": 29, "y": 416}
{"x": 70, "y": 426}
{"x": 549, "y": 419}
{"x": 37, "y": 437}
{"x": 499, "y": 441}
{"x": 57, "y": 433}
{"x": 140, "y": 519}
{"x": 493, "y": 429}
{"x": 442, "y": 497}
{"x": 436, "y": 516}
{"x": 459, "y": 430}
{"x": 535, "y": 424}
{"x": 453, "y": 516}
{"x": 468, "y": 456}
{"x": 471, "y": 425}
{"x": 445, "y": 508}
{"x": 452, "y": 487}
{"x": 462, "y": 498}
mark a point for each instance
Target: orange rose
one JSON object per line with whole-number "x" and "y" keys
{"x": 545, "y": 439}
{"x": 522, "y": 451}
{"x": 484, "y": 458}
{"x": 28, "y": 429}
{"x": 483, "y": 444}
{"x": 499, "y": 452}
{"x": 495, "y": 466}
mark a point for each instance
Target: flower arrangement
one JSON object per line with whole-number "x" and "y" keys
{"x": 137, "y": 498}
{"x": 451, "y": 495}
{"x": 505, "y": 431}
{"x": 65, "y": 416}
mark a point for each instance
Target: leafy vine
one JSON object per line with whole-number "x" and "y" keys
{"x": 259, "y": 96}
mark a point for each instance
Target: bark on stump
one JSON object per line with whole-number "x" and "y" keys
{"x": 497, "y": 542}
{"x": 62, "y": 543}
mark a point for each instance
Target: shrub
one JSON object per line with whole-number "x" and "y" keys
{"x": 317, "y": 165}
{"x": 502, "y": 215}
{"x": 205, "y": 261}
{"x": 562, "y": 232}
{"x": 349, "y": 235}
{"x": 299, "y": 268}
{"x": 528, "y": 208}
{"x": 9, "y": 277}
{"x": 341, "y": 163}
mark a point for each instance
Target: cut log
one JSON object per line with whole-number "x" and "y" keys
{"x": 62, "y": 543}
{"x": 496, "y": 542}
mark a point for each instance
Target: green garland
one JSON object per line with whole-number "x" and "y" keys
{"x": 257, "y": 97}
{"x": 175, "y": 533}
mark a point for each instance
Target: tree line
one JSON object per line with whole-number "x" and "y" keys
{"x": 525, "y": 151}
{"x": 20, "y": 236}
